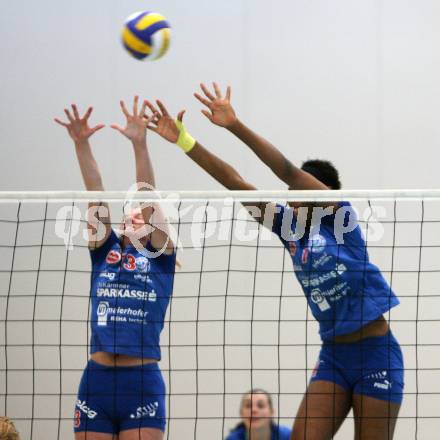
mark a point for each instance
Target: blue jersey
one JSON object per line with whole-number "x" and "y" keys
{"x": 279, "y": 432}
{"x": 344, "y": 290}
{"x": 129, "y": 298}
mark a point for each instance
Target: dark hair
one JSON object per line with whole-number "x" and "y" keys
{"x": 255, "y": 391}
{"x": 324, "y": 171}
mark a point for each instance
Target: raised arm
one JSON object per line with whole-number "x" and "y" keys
{"x": 175, "y": 132}
{"x": 80, "y": 132}
{"x": 220, "y": 112}
{"x": 136, "y": 131}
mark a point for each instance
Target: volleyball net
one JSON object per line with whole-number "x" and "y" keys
{"x": 237, "y": 318}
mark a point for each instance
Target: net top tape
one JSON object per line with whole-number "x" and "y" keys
{"x": 204, "y": 196}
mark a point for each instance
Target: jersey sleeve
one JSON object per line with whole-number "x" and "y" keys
{"x": 353, "y": 238}
{"x": 345, "y": 221}
{"x": 350, "y": 212}
{"x": 100, "y": 253}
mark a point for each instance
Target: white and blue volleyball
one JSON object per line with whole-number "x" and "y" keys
{"x": 146, "y": 35}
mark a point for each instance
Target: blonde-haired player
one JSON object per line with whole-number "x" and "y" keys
{"x": 122, "y": 392}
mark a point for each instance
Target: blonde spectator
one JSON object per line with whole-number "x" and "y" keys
{"x": 8, "y": 430}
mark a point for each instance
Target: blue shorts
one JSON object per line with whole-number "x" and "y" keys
{"x": 372, "y": 367}
{"x": 114, "y": 399}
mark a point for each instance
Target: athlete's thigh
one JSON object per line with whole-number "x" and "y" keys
{"x": 141, "y": 434}
{"x": 95, "y": 436}
{"x": 322, "y": 411}
{"x": 374, "y": 419}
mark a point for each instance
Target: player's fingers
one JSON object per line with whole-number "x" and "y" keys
{"x": 149, "y": 117}
{"x": 60, "y": 122}
{"x": 87, "y": 114}
{"x": 156, "y": 117}
{"x": 207, "y": 114}
{"x": 148, "y": 120}
{"x": 144, "y": 107}
{"x": 151, "y": 107}
{"x": 69, "y": 116}
{"x": 203, "y": 100}
{"x": 135, "y": 105}
{"x": 97, "y": 127}
{"x": 75, "y": 111}
{"x": 124, "y": 109}
{"x": 207, "y": 93}
{"x": 162, "y": 108}
{"x": 228, "y": 93}
{"x": 180, "y": 115}
{"x": 217, "y": 91}
{"x": 117, "y": 127}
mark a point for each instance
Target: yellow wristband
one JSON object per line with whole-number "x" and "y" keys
{"x": 186, "y": 142}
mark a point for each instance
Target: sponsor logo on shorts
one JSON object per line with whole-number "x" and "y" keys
{"x": 149, "y": 410}
{"x": 77, "y": 418}
{"x": 381, "y": 380}
{"x": 89, "y": 412}
{"x": 385, "y": 385}
{"x": 380, "y": 375}
{"x": 113, "y": 257}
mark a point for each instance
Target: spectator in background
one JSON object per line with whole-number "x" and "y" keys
{"x": 8, "y": 430}
{"x": 257, "y": 419}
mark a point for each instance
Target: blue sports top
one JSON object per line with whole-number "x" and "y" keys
{"x": 279, "y": 432}
{"x": 129, "y": 298}
{"x": 344, "y": 290}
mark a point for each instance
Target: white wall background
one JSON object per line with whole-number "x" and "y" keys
{"x": 354, "y": 82}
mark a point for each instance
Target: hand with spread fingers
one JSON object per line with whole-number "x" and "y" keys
{"x": 136, "y": 124}
{"x": 78, "y": 128}
{"x": 173, "y": 130}
{"x": 162, "y": 123}
{"x": 220, "y": 111}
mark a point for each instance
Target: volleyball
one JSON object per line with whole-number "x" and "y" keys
{"x": 146, "y": 35}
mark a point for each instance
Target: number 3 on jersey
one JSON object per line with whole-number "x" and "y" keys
{"x": 129, "y": 262}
